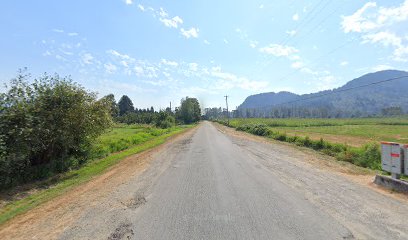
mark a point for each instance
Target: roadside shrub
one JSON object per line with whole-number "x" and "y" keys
{"x": 291, "y": 139}
{"x": 244, "y": 127}
{"x": 370, "y": 156}
{"x": 348, "y": 155}
{"x": 280, "y": 136}
{"x": 261, "y": 130}
{"x": 165, "y": 120}
{"x": 47, "y": 127}
{"x": 318, "y": 145}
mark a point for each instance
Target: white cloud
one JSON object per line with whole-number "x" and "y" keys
{"x": 291, "y": 33}
{"x": 297, "y": 65}
{"x": 163, "y": 13}
{"x": 385, "y": 38}
{"x": 344, "y": 63}
{"x": 192, "y": 33}
{"x": 401, "y": 54}
{"x": 169, "y": 63}
{"x": 87, "y": 58}
{"x": 295, "y": 17}
{"x": 375, "y": 24}
{"x": 110, "y": 68}
{"x": 72, "y": 34}
{"x": 141, "y": 7}
{"x": 294, "y": 57}
{"x": 65, "y": 52}
{"x": 193, "y": 66}
{"x": 228, "y": 81}
{"x": 206, "y": 42}
{"x": 120, "y": 55}
{"x": 253, "y": 44}
{"x": 261, "y": 6}
{"x": 309, "y": 71}
{"x": 381, "y": 67}
{"x": 279, "y": 50}
{"x": 357, "y": 22}
{"x": 225, "y": 41}
{"x": 129, "y": 2}
{"x": 172, "y": 22}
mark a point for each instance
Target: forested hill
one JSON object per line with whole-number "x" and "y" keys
{"x": 388, "y": 98}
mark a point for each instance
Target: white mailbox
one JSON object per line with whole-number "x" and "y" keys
{"x": 391, "y": 160}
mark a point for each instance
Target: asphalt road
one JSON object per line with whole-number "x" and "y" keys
{"x": 212, "y": 185}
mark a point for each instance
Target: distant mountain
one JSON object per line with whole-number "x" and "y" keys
{"x": 385, "y": 98}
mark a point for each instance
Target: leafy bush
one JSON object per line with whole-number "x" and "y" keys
{"x": 47, "y": 127}
{"x": 165, "y": 120}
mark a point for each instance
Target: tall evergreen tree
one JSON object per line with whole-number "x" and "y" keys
{"x": 125, "y": 105}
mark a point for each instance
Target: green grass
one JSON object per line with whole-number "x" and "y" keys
{"x": 369, "y": 129}
{"x": 334, "y": 137}
{"x": 122, "y": 137}
{"x": 134, "y": 139}
{"x": 310, "y": 122}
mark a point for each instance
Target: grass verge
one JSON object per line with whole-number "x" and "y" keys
{"x": 74, "y": 178}
{"x": 367, "y": 156}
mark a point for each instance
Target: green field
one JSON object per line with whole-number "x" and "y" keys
{"x": 123, "y": 136}
{"x": 116, "y": 144}
{"x": 354, "y": 132}
{"x": 350, "y": 140}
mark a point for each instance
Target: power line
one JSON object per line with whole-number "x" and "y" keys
{"x": 338, "y": 91}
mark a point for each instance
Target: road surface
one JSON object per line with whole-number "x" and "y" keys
{"x": 213, "y": 184}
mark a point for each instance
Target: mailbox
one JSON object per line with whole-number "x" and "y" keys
{"x": 391, "y": 158}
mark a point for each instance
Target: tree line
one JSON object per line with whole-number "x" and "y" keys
{"x": 48, "y": 125}
{"x": 298, "y": 112}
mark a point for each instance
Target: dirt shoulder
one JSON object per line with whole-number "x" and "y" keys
{"x": 324, "y": 162}
{"x": 53, "y": 217}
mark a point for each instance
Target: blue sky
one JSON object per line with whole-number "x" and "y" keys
{"x": 160, "y": 51}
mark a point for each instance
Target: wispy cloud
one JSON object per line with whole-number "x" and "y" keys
{"x": 110, "y": 68}
{"x": 375, "y": 24}
{"x": 57, "y": 30}
{"x": 344, "y": 63}
{"x": 141, "y": 7}
{"x": 87, "y": 58}
{"x": 171, "y": 22}
{"x": 278, "y": 50}
{"x": 191, "y": 33}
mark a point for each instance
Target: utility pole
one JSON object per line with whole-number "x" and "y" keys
{"x": 170, "y": 106}
{"x": 226, "y": 102}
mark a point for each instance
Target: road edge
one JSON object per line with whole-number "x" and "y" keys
{"x": 22, "y": 206}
